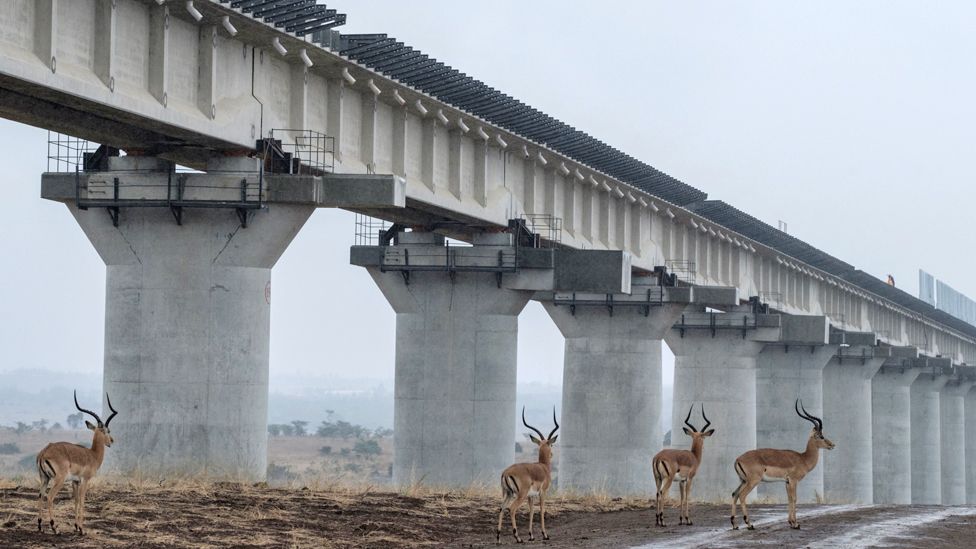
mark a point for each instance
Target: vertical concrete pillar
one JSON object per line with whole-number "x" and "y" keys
{"x": 848, "y": 468}
{"x": 456, "y": 341}
{"x": 891, "y": 426}
{"x": 926, "y": 439}
{"x": 785, "y": 373}
{"x": 187, "y": 322}
{"x": 611, "y": 406}
{"x": 970, "y": 442}
{"x": 953, "y": 437}
{"x": 720, "y": 372}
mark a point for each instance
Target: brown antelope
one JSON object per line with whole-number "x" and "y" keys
{"x": 682, "y": 465}
{"x": 524, "y": 480}
{"x": 64, "y": 461}
{"x": 768, "y": 465}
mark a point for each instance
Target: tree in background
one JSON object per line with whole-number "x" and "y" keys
{"x": 75, "y": 421}
{"x": 299, "y": 427}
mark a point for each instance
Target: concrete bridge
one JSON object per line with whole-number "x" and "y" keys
{"x": 622, "y": 256}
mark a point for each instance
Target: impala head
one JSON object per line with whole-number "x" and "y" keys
{"x": 545, "y": 442}
{"x": 101, "y": 429}
{"x": 816, "y": 435}
{"x": 694, "y": 433}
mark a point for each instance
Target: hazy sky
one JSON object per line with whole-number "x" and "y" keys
{"x": 855, "y": 124}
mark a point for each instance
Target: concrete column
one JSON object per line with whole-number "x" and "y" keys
{"x": 611, "y": 406}
{"x": 970, "y": 425}
{"x": 891, "y": 426}
{"x": 720, "y": 372}
{"x": 848, "y": 468}
{"x": 926, "y": 439}
{"x": 785, "y": 373}
{"x": 953, "y": 437}
{"x": 187, "y": 322}
{"x": 456, "y": 340}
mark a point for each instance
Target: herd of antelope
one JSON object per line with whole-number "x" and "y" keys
{"x": 524, "y": 481}
{"x": 61, "y": 462}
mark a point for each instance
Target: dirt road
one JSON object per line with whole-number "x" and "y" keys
{"x": 206, "y": 515}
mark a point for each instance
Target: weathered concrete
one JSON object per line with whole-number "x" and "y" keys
{"x": 953, "y": 438}
{"x": 891, "y": 427}
{"x": 719, "y": 371}
{"x": 970, "y": 405}
{"x": 848, "y": 468}
{"x": 785, "y": 373}
{"x": 611, "y": 405}
{"x": 926, "y": 439}
{"x": 187, "y": 321}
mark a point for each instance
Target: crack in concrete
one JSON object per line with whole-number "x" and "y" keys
{"x": 230, "y": 237}
{"x": 131, "y": 248}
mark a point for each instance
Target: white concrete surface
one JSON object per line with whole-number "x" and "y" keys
{"x": 454, "y": 403}
{"x": 848, "y": 469}
{"x": 891, "y": 426}
{"x": 970, "y": 443}
{"x": 611, "y": 405}
{"x": 926, "y": 439}
{"x": 785, "y": 373}
{"x": 719, "y": 372}
{"x": 187, "y": 320}
{"x": 953, "y": 438}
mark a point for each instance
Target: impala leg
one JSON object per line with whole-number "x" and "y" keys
{"x": 512, "y": 510}
{"x": 42, "y": 501}
{"x": 681, "y": 501}
{"x": 660, "y": 500}
{"x": 508, "y": 497}
{"x": 542, "y": 514}
{"x": 687, "y": 502}
{"x": 76, "y": 499}
{"x": 658, "y": 504}
{"x": 80, "y": 511}
{"x": 791, "y": 498}
{"x": 743, "y": 493}
{"x": 51, "y": 494}
{"x": 531, "y": 518}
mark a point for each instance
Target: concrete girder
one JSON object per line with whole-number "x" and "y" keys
{"x": 848, "y": 468}
{"x": 612, "y": 382}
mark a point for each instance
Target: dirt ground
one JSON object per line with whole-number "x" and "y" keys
{"x": 229, "y": 515}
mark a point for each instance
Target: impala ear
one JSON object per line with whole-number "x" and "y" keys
{"x": 552, "y": 439}
{"x": 708, "y": 433}
{"x": 89, "y": 425}
{"x": 687, "y": 432}
{"x": 535, "y": 440}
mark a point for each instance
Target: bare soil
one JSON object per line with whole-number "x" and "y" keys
{"x": 232, "y": 515}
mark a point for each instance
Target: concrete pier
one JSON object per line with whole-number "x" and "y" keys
{"x": 187, "y": 323}
{"x": 970, "y": 442}
{"x": 719, "y": 369}
{"x": 611, "y": 406}
{"x": 926, "y": 439}
{"x": 848, "y": 468}
{"x": 953, "y": 438}
{"x": 891, "y": 427}
{"x": 785, "y": 373}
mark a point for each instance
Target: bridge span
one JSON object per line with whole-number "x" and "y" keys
{"x": 283, "y": 114}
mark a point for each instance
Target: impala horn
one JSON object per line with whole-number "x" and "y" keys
{"x": 817, "y": 423}
{"x": 687, "y": 422}
{"x": 541, "y": 436}
{"x": 89, "y": 412}
{"x": 707, "y": 423}
{"x": 114, "y": 412}
{"x": 554, "y": 421}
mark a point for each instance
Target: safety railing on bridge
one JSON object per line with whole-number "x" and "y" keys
{"x": 644, "y": 300}
{"x": 298, "y": 152}
{"x": 716, "y": 322}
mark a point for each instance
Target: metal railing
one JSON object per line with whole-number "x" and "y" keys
{"x": 298, "y": 152}
{"x": 715, "y": 322}
{"x": 547, "y": 229}
{"x": 683, "y": 270}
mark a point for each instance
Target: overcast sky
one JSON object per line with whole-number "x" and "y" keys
{"x": 852, "y": 123}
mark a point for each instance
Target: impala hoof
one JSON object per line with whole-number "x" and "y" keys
{"x": 545, "y": 537}
{"x": 39, "y": 527}
{"x": 751, "y": 527}
{"x": 53, "y": 529}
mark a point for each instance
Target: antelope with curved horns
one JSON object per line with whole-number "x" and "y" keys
{"x": 62, "y": 461}
{"x": 767, "y": 465}
{"x": 682, "y": 465}
{"x": 524, "y": 480}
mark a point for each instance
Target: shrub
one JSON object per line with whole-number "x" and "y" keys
{"x": 325, "y": 450}
{"x": 280, "y": 473}
{"x": 367, "y": 447}
{"x": 8, "y": 449}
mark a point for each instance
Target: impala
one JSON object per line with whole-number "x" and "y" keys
{"x": 767, "y": 465}
{"x": 526, "y": 480}
{"x": 63, "y": 461}
{"x": 681, "y": 465}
